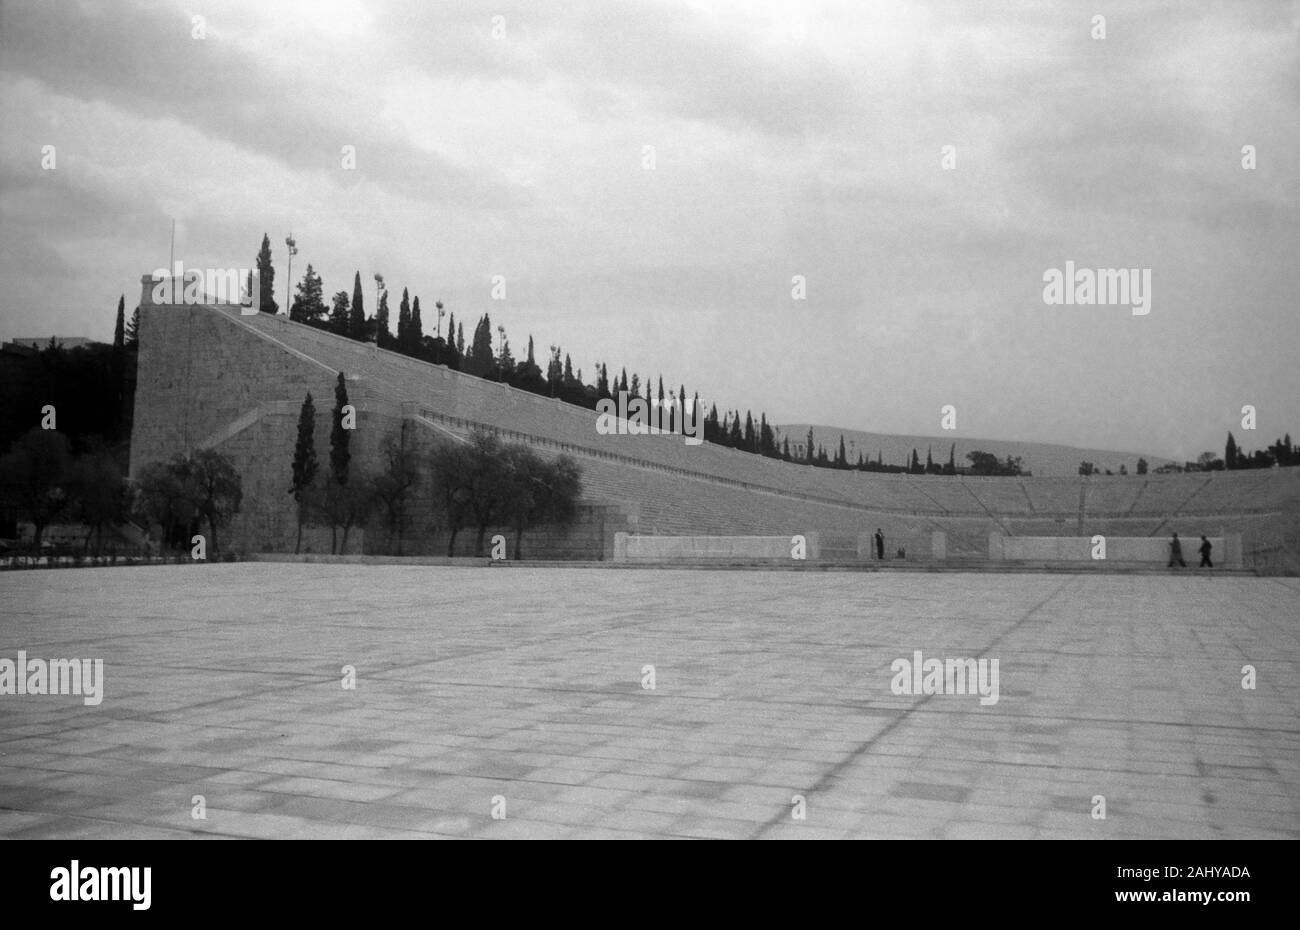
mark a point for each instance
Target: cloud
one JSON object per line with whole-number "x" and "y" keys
{"x": 144, "y": 60}
{"x": 695, "y": 67}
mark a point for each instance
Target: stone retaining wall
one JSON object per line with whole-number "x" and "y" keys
{"x": 1137, "y": 549}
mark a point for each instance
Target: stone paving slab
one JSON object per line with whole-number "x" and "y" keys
{"x": 527, "y": 691}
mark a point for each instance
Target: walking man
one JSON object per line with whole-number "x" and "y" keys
{"x": 1205, "y": 553}
{"x": 880, "y": 545}
{"x": 1176, "y": 552}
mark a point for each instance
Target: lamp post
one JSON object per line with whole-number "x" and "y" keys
{"x": 293, "y": 250}
{"x": 441, "y": 314}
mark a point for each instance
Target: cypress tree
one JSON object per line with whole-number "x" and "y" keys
{"x": 383, "y": 337}
{"x": 480, "y": 351}
{"x": 119, "y": 328}
{"x": 416, "y": 330}
{"x": 357, "y": 316}
{"x": 766, "y": 438}
{"x": 266, "y": 277}
{"x": 404, "y": 324}
{"x": 554, "y": 373}
{"x": 304, "y": 461}
{"x": 340, "y": 438}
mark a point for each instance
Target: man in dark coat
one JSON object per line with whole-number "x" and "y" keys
{"x": 1206, "y": 546}
{"x": 1176, "y": 552}
{"x": 880, "y": 544}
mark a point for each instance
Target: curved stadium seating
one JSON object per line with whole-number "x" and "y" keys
{"x": 675, "y": 488}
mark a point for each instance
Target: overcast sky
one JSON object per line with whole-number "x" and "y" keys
{"x": 789, "y": 139}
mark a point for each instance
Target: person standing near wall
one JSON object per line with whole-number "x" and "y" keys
{"x": 880, "y": 545}
{"x": 1176, "y": 552}
{"x": 1206, "y": 547}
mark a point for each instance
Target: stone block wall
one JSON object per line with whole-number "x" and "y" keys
{"x": 690, "y": 548}
{"x": 207, "y": 381}
{"x": 1130, "y": 549}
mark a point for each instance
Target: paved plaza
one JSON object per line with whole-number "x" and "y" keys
{"x": 525, "y": 692}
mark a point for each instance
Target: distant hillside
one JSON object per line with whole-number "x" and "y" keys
{"x": 1042, "y": 458}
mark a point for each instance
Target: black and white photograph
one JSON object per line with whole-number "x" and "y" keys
{"x": 653, "y": 420}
